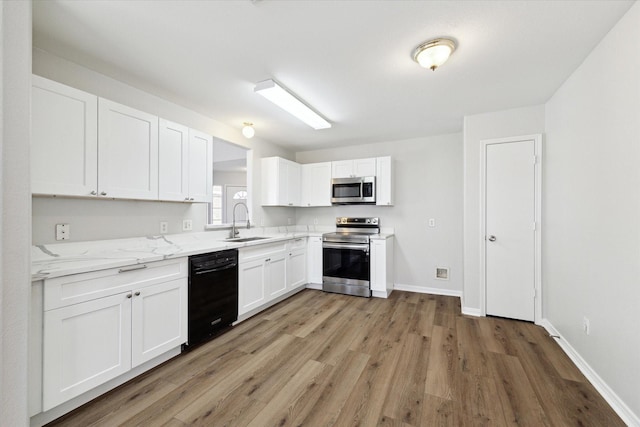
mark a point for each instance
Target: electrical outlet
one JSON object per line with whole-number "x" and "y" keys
{"x": 63, "y": 231}
{"x": 432, "y": 222}
{"x": 586, "y": 325}
{"x": 187, "y": 225}
{"x": 164, "y": 227}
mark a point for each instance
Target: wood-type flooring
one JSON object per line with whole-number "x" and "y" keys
{"x": 320, "y": 359}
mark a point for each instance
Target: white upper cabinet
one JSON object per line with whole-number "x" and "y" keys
{"x": 200, "y": 166}
{"x": 353, "y": 168}
{"x": 280, "y": 182}
{"x": 64, "y": 142}
{"x": 127, "y": 152}
{"x": 384, "y": 181}
{"x": 316, "y": 184}
{"x": 83, "y": 145}
{"x": 173, "y": 156}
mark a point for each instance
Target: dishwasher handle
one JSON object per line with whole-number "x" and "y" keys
{"x": 213, "y": 270}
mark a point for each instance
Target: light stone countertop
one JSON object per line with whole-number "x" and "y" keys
{"x": 62, "y": 259}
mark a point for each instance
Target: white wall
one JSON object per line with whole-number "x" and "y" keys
{"x": 99, "y": 219}
{"x": 229, "y": 178}
{"x": 15, "y": 209}
{"x": 519, "y": 121}
{"x": 591, "y": 209}
{"x": 428, "y": 184}
{"x": 106, "y": 219}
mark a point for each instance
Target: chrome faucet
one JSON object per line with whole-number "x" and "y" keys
{"x": 235, "y": 232}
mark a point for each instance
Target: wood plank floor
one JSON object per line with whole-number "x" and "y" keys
{"x": 321, "y": 359}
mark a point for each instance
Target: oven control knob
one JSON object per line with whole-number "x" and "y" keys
{"x": 368, "y": 220}
{"x": 374, "y": 221}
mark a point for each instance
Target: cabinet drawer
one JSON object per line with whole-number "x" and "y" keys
{"x": 77, "y": 288}
{"x": 300, "y": 242}
{"x": 259, "y": 251}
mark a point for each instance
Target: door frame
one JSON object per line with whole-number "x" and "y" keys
{"x": 537, "y": 143}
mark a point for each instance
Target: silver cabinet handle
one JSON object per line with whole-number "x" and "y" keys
{"x": 186, "y": 199}
{"x": 191, "y": 198}
{"x": 135, "y": 267}
{"x": 102, "y": 193}
{"x": 129, "y": 295}
{"x": 93, "y": 192}
{"x": 137, "y": 293}
{"x": 492, "y": 238}
{"x": 267, "y": 260}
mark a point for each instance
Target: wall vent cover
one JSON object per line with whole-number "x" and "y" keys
{"x": 442, "y": 273}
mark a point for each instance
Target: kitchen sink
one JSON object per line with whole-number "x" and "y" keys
{"x": 244, "y": 239}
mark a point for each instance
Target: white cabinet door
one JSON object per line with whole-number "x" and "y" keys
{"x": 353, "y": 168}
{"x": 200, "y": 166}
{"x": 293, "y": 178}
{"x": 251, "y": 285}
{"x": 296, "y": 268}
{"x": 280, "y": 182}
{"x": 276, "y": 275}
{"x": 84, "y": 346}
{"x": 342, "y": 169}
{"x": 382, "y": 267}
{"x": 127, "y": 152}
{"x": 159, "y": 320}
{"x": 316, "y": 184}
{"x": 173, "y": 161}
{"x": 384, "y": 181}
{"x": 314, "y": 259}
{"x": 64, "y": 140}
{"x": 274, "y": 185}
{"x": 364, "y": 167}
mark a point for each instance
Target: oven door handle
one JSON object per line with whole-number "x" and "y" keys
{"x": 345, "y": 246}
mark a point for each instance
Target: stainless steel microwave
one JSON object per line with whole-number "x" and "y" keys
{"x": 353, "y": 191}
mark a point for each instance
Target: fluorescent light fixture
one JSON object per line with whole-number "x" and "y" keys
{"x": 289, "y": 103}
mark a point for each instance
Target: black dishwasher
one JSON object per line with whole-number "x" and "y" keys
{"x": 213, "y": 294}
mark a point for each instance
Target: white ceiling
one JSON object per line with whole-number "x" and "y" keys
{"x": 350, "y": 60}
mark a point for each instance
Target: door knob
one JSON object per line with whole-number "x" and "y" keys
{"x": 492, "y": 238}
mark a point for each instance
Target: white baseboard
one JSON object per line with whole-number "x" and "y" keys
{"x": 603, "y": 388}
{"x": 315, "y": 286}
{"x": 470, "y": 311}
{"x": 424, "y": 290}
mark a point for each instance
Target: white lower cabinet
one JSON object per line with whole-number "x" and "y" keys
{"x": 382, "y": 267}
{"x": 90, "y": 338}
{"x": 267, "y": 272}
{"x": 85, "y": 345}
{"x": 314, "y": 259}
{"x": 261, "y": 275}
{"x": 158, "y": 320}
{"x": 276, "y": 274}
{"x": 296, "y": 263}
{"x": 251, "y": 285}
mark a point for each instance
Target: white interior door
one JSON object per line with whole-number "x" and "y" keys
{"x": 510, "y": 238}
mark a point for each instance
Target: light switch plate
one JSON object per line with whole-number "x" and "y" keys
{"x": 187, "y": 225}
{"x": 164, "y": 227}
{"x": 432, "y": 222}
{"x": 63, "y": 231}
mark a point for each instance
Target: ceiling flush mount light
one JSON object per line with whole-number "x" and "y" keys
{"x": 248, "y": 131}
{"x": 292, "y": 105}
{"x": 433, "y": 53}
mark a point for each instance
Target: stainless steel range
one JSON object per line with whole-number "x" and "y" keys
{"x": 345, "y": 256}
